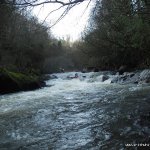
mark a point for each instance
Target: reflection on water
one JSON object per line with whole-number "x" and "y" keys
{"x": 83, "y": 114}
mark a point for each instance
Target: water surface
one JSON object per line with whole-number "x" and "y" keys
{"x": 77, "y": 114}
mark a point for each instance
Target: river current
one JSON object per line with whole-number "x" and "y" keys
{"x": 75, "y": 114}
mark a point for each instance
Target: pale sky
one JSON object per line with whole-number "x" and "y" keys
{"x": 71, "y": 25}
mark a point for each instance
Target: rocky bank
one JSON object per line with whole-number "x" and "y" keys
{"x": 13, "y": 82}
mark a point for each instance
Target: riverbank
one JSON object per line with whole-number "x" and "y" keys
{"x": 14, "y": 81}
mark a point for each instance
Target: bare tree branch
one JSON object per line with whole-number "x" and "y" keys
{"x": 86, "y": 7}
{"x": 51, "y": 13}
{"x": 62, "y": 15}
{"x": 28, "y": 3}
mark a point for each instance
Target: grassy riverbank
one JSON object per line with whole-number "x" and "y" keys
{"x": 16, "y": 81}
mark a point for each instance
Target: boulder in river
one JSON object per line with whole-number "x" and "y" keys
{"x": 53, "y": 76}
{"x": 122, "y": 69}
{"x": 104, "y": 78}
{"x": 12, "y": 82}
{"x": 127, "y": 77}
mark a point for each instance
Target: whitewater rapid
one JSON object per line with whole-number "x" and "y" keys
{"x": 81, "y": 113}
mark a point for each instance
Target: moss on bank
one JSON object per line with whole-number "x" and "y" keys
{"x": 14, "y": 81}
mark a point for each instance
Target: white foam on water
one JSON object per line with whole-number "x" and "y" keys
{"x": 62, "y": 86}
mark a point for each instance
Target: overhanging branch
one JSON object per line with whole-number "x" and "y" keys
{"x": 27, "y": 3}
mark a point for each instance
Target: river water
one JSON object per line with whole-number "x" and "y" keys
{"x": 75, "y": 114}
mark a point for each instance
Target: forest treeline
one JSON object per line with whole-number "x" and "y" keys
{"x": 25, "y": 44}
{"x": 118, "y": 33}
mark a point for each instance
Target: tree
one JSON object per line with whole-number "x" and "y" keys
{"x": 119, "y": 33}
{"x": 23, "y": 42}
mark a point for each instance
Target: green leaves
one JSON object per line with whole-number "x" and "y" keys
{"x": 120, "y": 30}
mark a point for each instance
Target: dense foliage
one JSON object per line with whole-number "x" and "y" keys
{"x": 25, "y": 44}
{"x": 119, "y": 34}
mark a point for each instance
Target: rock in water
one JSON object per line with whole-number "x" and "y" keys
{"x": 104, "y": 78}
{"x": 53, "y": 76}
{"x": 122, "y": 69}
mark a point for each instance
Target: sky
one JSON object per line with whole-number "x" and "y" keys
{"x": 71, "y": 25}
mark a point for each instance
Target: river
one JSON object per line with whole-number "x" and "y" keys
{"x": 75, "y": 114}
